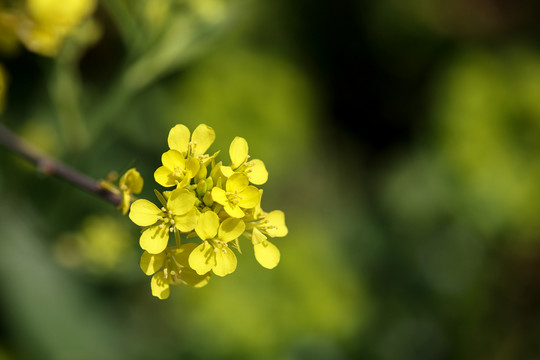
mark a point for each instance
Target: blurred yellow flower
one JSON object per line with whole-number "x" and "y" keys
{"x": 47, "y": 23}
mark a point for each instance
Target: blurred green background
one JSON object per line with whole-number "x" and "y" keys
{"x": 401, "y": 140}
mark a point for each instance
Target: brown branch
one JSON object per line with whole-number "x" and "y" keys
{"x": 53, "y": 167}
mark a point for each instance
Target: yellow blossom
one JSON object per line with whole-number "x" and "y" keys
{"x": 178, "y": 214}
{"x": 254, "y": 169}
{"x": 191, "y": 145}
{"x": 214, "y": 253}
{"x": 237, "y": 195}
{"x": 130, "y": 183}
{"x": 48, "y": 22}
{"x": 176, "y": 170}
{"x": 264, "y": 224}
{"x": 211, "y": 206}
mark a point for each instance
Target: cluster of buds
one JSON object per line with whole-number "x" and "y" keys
{"x": 210, "y": 204}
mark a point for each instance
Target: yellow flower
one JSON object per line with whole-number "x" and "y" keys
{"x": 237, "y": 195}
{"x": 270, "y": 224}
{"x": 176, "y": 170}
{"x": 181, "y": 140}
{"x": 49, "y": 21}
{"x": 174, "y": 268}
{"x": 254, "y": 169}
{"x": 214, "y": 253}
{"x": 178, "y": 214}
{"x": 130, "y": 183}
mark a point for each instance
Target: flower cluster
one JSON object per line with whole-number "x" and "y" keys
{"x": 210, "y": 204}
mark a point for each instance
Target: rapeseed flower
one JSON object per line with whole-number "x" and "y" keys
{"x": 263, "y": 225}
{"x": 176, "y": 170}
{"x": 214, "y": 253}
{"x": 211, "y": 207}
{"x": 130, "y": 183}
{"x": 254, "y": 169}
{"x": 46, "y": 23}
{"x": 237, "y": 195}
{"x": 178, "y": 214}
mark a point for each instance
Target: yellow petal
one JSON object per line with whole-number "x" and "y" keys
{"x": 276, "y": 224}
{"x": 144, "y": 212}
{"x": 219, "y": 196}
{"x": 192, "y": 167}
{"x": 160, "y": 286}
{"x": 179, "y": 139}
{"x": 208, "y": 224}
{"x": 238, "y": 151}
{"x": 225, "y": 262}
{"x": 202, "y": 258}
{"x": 256, "y": 172}
{"x": 154, "y": 240}
{"x": 204, "y": 136}
{"x": 151, "y": 263}
{"x": 163, "y": 177}
{"x": 267, "y": 254}
{"x": 257, "y": 237}
{"x": 125, "y": 202}
{"x": 237, "y": 182}
{"x": 187, "y": 221}
{"x": 250, "y": 197}
{"x": 182, "y": 184}
{"x": 230, "y": 229}
{"x": 227, "y": 171}
{"x": 181, "y": 201}
{"x": 234, "y": 210}
{"x": 173, "y": 159}
{"x": 132, "y": 180}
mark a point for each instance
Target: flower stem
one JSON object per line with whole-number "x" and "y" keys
{"x": 53, "y": 167}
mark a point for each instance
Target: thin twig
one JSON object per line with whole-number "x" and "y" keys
{"x": 53, "y": 167}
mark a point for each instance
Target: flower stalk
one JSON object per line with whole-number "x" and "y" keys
{"x": 52, "y": 167}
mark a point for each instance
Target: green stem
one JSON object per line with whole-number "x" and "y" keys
{"x": 53, "y": 167}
